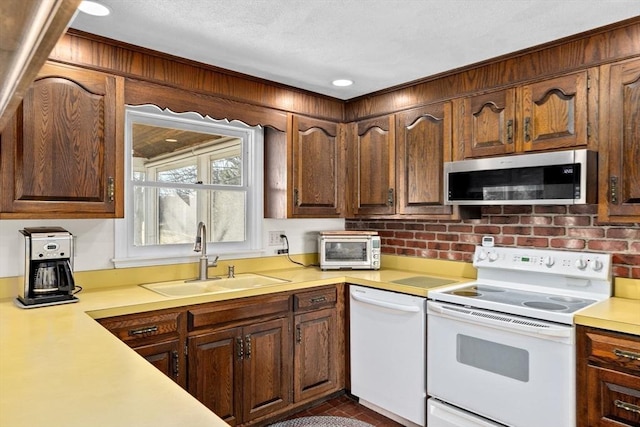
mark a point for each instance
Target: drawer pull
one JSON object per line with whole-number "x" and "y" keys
{"x": 628, "y": 354}
{"x": 316, "y": 300}
{"x": 627, "y": 406}
{"x": 142, "y": 331}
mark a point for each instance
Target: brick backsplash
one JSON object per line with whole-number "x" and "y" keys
{"x": 557, "y": 227}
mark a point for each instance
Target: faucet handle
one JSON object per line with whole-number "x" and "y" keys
{"x": 231, "y": 272}
{"x": 214, "y": 263}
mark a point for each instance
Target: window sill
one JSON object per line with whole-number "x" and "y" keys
{"x": 151, "y": 261}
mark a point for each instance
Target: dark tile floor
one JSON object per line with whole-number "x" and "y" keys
{"x": 345, "y": 406}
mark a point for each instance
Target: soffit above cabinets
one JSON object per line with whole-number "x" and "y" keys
{"x": 376, "y": 43}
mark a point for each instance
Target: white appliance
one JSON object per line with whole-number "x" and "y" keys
{"x": 501, "y": 350}
{"x": 388, "y": 349}
{"x": 349, "y": 250}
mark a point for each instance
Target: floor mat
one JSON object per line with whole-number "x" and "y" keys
{"x": 321, "y": 422}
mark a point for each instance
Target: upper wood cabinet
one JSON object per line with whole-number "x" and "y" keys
{"x": 619, "y": 197}
{"x": 545, "y": 115}
{"x": 398, "y": 161}
{"x": 62, "y": 152}
{"x": 373, "y": 160}
{"x": 311, "y": 182}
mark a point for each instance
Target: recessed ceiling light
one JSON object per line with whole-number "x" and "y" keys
{"x": 93, "y": 8}
{"x": 171, "y": 140}
{"x": 342, "y": 82}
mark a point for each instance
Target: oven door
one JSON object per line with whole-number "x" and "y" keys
{"x": 516, "y": 371}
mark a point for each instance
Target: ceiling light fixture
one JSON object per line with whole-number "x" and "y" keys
{"x": 93, "y": 8}
{"x": 171, "y": 140}
{"x": 342, "y": 82}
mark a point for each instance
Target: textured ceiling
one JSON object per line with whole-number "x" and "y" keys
{"x": 376, "y": 43}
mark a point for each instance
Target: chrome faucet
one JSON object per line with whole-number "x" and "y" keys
{"x": 201, "y": 246}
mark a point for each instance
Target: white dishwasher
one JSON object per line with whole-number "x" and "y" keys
{"x": 388, "y": 353}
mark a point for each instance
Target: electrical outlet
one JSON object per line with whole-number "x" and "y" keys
{"x": 283, "y": 251}
{"x": 274, "y": 238}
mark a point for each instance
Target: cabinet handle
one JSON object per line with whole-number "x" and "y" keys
{"x": 527, "y": 125}
{"x": 111, "y": 189}
{"x": 142, "y": 331}
{"x": 316, "y": 300}
{"x": 627, "y": 354}
{"x": 627, "y": 406}
{"x": 248, "y": 343}
{"x": 240, "y": 348}
{"x": 390, "y": 197}
{"x": 176, "y": 368}
{"x": 509, "y": 131}
{"x": 613, "y": 189}
{"x": 298, "y": 334}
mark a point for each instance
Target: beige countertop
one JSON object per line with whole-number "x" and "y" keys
{"x": 58, "y": 367}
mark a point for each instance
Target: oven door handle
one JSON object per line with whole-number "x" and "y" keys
{"x": 499, "y": 320}
{"x": 386, "y": 304}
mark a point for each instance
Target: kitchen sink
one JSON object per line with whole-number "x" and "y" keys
{"x": 182, "y": 288}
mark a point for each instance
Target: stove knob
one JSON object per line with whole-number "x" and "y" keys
{"x": 596, "y": 265}
{"x": 482, "y": 255}
{"x": 548, "y": 261}
{"x": 581, "y": 264}
{"x": 493, "y": 256}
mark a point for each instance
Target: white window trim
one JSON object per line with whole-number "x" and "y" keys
{"x": 129, "y": 255}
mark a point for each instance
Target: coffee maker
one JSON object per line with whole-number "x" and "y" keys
{"x": 48, "y": 275}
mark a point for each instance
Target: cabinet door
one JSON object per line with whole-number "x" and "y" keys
{"x": 317, "y": 176}
{"x": 619, "y": 196}
{"x": 62, "y": 152}
{"x": 315, "y": 354}
{"x": 267, "y": 368}
{"x": 374, "y": 188}
{"x": 166, "y": 357}
{"x": 488, "y": 124}
{"x": 215, "y": 372}
{"x": 616, "y": 398}
{"x": 554, "y": 113}
{"x": 423, "y": 143}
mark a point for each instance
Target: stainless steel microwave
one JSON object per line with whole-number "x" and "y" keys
{"x": 554, "y": 178}
{"x": 349, "y": 250}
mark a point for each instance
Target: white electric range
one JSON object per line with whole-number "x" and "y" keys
{"x": 501, "y": 349}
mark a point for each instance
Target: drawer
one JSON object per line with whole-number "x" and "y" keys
{"x": 317, "y": 298}
{"x": 139, "y": 327}
{"x": 616, "y": 351}
{"x": 225, "y": 313}
{"x": 615, "y": 400}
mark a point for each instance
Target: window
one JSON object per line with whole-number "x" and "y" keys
{"x": 183, "y": 169}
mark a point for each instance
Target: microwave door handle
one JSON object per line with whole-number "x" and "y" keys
{"x": 385, "y": 304}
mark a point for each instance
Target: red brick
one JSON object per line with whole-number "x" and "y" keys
{"x": 471, "y": 238}
{"x": 621, "y": 271}
{"x": 550, "y": 209}
{"x": 428, "y": 254}
{"x": 626, "y": 259}
{"x": 448, "y": 237}
{"x": 587, "y": 233}
{"x": 435, "y": 227}
{"x": 454, "y": 256}
{"x": 416, "y": 244}
{"x": 608, "y": 245}
{"x": 635, "y": 273}
{"x": 579, "y": 221}
{"x": 635, "y": 247}
{"x": 583, "y": 209}
{"x": 441, "y": 246}
{"x": 517, "y": 209}
{"x": 394, "y": 226}
{"x": 624, "y": 233}
{"x": 549, "y": 231}
{"x": 467, "y": 257}
{"x": 384, "y": 233}
{"x": 536, "y": 220}
{"x": 516, "y": 230}
{"x": 486, "y": 229}
{"x": 406, "y": 251}
{"x": 403, "y": 235}
{"x": 460, "y": 247}
{"x": 504, "y": 219}
{"x": 533, "y": 241}
{"x": 567, "y": 243}
{"x": 491, "y": 210}
{"x": 415, "y": 226}
{"x": 395, "y": 242}
{"x": 425, "y": 236}
{"x": 459, "y": 228}
{"x": 504, "y": 240}
{"x": 388, "y": 250}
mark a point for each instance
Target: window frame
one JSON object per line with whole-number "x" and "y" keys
{"x": 127, "y": 254}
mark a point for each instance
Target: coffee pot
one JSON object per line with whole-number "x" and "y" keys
{"x": 48, "y": 277}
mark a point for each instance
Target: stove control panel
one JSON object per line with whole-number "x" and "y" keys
{"x": 566, "y": 263}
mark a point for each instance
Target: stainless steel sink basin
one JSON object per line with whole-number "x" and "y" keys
{"x": 182, "y": 288}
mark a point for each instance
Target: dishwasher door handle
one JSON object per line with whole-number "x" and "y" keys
{"x": 386, "y": 304}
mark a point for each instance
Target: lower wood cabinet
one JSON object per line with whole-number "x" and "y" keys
{"x": 249, "y": 360}
{"x": 608, "y": 380}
